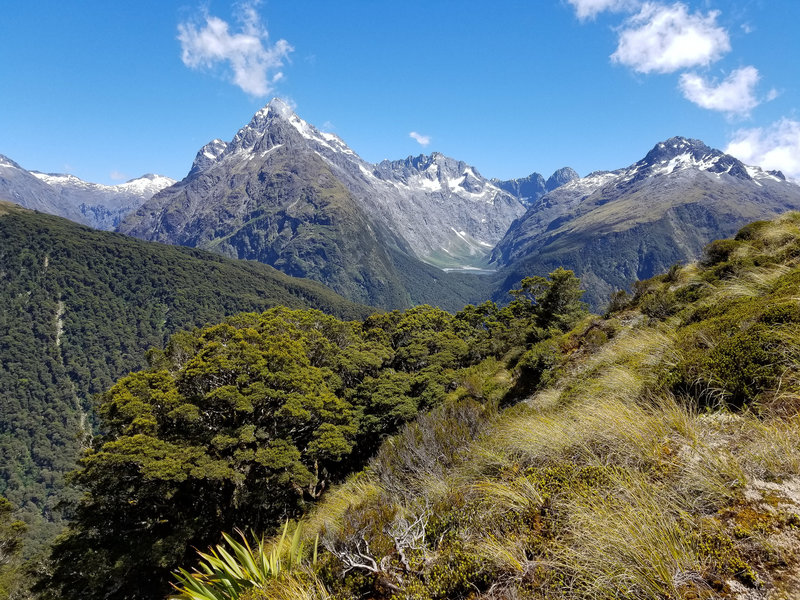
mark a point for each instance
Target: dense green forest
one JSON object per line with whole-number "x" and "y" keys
{"x": 78, "y": 309}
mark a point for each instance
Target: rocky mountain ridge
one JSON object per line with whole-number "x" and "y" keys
{"x": 284, "y": 193}
{"x": 614, "y": 227}
{"x": 534, "y": 186}
{"x": 440, "y": 210}
{"x": 93, "y": 204}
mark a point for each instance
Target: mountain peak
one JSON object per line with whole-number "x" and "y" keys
{"x": 279, "y": 107}
{"x": 7, "y": 162}
{"x": 677, "y": 146}
{"x": 208, "y": 155}
{"x": 560, "y": 177}
{"x": 678, "y": 153}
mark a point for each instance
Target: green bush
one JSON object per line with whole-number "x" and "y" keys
{"x": 659, "y": 303}
{"x": 719, "y": 251}
{"x": 752, "y": 231}
{"x": 537, "y": 366}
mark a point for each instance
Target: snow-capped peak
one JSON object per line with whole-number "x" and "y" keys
{"x": 270, "y": 121}
{"x": 146, "y": 185}
{"x": 7, "y": 162}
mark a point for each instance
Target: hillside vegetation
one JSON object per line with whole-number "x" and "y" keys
{"x": 78, "y": 309}
{"x": 246, "y": 423}
{"x": 654, "y": 455}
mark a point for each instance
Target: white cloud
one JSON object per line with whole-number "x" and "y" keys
{"x": 118, "y": 176}
{"x": 736, "y": 95}
{"x": 422, "y": 140}
{"x": 664, "y": 39}
{"x": 773, "y": 147}
{"x": 589, "y": 9}
{"x": 255, "y": 64}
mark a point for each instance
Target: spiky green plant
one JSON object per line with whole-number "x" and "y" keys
{"x": 225, "y": 573}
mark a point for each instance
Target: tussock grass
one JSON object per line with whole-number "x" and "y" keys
{"x": 306, "y": 586}
{"x": 751, "y": 284}
{"x": 329, "y": 515}
{"x": 630, "y": 543}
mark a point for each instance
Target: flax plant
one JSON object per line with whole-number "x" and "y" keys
{"x": 226, "y": 573}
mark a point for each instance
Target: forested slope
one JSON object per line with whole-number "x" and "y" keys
{"x": 78, "y": 309}
{"x": 242, "y": 424}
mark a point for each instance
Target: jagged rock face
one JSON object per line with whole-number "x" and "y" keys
{"x": 613, "y": 227}
{"x": 560, "y": 177}
{"x": 208, "y": 155}
{"x": 447, "y": 212}
{"x": 529, "y": 189}
{"x": 92, "y": 204}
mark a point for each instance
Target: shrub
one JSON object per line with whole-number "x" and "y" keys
{"x": 537, "y": 366}
{"x": 619, "y": 301}
{"x": 659, "y": 304}
{"x": 719, "y": 251}
{"x": 751, "y": 231}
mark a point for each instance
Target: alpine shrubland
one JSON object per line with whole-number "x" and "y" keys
{"x": 529, "y": 451}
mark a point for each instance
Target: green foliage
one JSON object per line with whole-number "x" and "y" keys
{"x": 733, "y": 351}
{"x": 239, "y": 424}
{"x": 427, "y": 448}
{"x": 226, "y": 573}
{"x": 553, "y": 302}
{"x": 619, "y": 301}
{"x": 537, "y": 366}
{"x": 11, "y": 536}
{"x": 78, "y": 310}
{"x": 244, "y": 426}
{"x": 724, "y": 557}
{"x": 720, "y": 251}
{"x": 659, "y": 303}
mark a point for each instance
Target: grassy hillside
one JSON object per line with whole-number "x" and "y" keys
{"x": 78, "y": 309}
{"x": 654, "y": 455}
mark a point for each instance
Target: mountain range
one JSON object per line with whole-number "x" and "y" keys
{"x": 93, "y": 204}
{"x": 284, "y": 193}
{"x": 615, "y": 227}
{"x": 418, "y": 230}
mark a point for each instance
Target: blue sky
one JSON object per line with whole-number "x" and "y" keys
{"x": 111, "y": 90}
